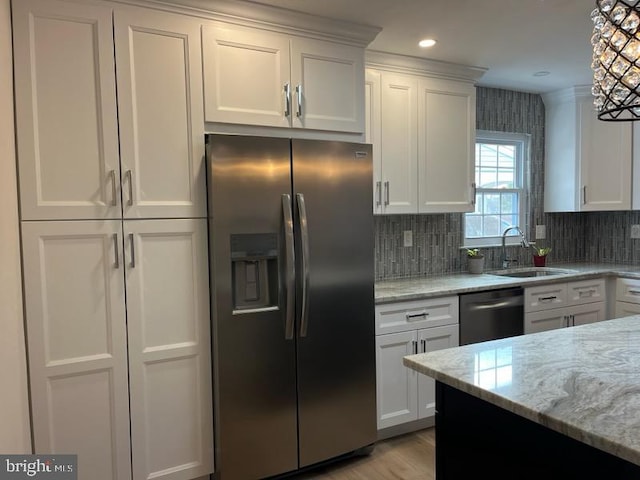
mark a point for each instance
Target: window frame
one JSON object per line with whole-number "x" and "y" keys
{"x": 522, "y": 142}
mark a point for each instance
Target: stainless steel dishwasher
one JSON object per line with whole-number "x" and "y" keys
{"x": 489, "y": 315}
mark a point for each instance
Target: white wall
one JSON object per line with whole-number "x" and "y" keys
{"x": 15, "y": 435}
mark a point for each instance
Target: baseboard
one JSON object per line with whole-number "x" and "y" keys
{"x": 406, "y": 428}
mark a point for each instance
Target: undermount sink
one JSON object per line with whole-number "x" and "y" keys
{"x": 533, "y": 272}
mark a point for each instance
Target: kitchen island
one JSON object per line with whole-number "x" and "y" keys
{"x": 558, "y": 404}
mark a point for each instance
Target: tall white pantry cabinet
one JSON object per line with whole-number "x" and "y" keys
{"x": 114, "y": 237}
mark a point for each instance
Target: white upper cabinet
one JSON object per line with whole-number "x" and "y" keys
{"x": 246, "y": 76}
{"x": 67, "y": 131}
{"x": 327, "y": 81}
{"x": 446, "y": 148}
{"x": 72, "y": 164}
{"x": 399, "y": 143}
{"x": 635, "y": 184}
{"x": 373, "y": 132}
{"x": 159, "y": 78}
{"x": 422, "y": 123}
{"x": 587, "y": 161}
{"x": 254, "y": 77}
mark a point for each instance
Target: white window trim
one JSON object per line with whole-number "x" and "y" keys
{"x": 525, "y": 140}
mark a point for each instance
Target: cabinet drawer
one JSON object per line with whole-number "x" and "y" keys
{"x": 628, "y": 290}
{"x": 545, "y": 297}
{"x": 542, "y": 321}
{"x": 626, "y": 309}
{"x": 411, "y": 315}
{"x": 586, "y": 291}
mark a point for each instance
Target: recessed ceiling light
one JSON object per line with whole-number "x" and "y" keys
{"x": 541, "y": 73}
{"x": 427, "y": 42}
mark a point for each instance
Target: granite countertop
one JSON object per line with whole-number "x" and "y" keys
{"x": 583, "y": 381}
{"x": 439, "y": 285}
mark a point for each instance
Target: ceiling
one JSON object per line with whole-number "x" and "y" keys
{"x": 513, "y": 39}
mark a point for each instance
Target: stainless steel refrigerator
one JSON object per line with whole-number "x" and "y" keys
{"x": 292, "y": 272}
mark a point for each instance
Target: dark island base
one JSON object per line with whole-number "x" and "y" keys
{"x": 475, "y": 439}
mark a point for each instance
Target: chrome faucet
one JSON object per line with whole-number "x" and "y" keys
{"x": 506, "y": 262}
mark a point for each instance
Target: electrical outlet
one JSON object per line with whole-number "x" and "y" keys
{"x": 635, "y": 231}
{"x": 408, "y": 238}
{"x": 541, "y": 232}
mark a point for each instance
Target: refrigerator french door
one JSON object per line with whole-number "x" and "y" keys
{"x": 291, "y": 251}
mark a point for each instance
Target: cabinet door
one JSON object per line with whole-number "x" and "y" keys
{"x": 169, "y": 348}
{"x": 245, "y": 74}
{"x": 399, "y": 143}
{"x": 545, "y": 320}
{"x": 589, "y": 313}
{"x": 76, "y": 330}
{"x": 397, "y": 385}
{"x": 160, "y": 112}
{"x": 372, "y": 128}
{"x": 67, "y": 134}
{"x": 446, "y": 150}
{"x": 327, "y": 82}
{"x": 605, "y": 161}
{"x": 430, "y": 340}
{"x": 624, "y": 309}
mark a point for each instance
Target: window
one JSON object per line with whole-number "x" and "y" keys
{"x": 501, "y": 188}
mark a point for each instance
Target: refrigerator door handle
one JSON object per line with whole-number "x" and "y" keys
{"x": 304, "y": 236}
{"x": 290, "y": 266}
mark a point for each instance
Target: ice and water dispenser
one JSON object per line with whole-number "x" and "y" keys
{"x": 254, "y": 267}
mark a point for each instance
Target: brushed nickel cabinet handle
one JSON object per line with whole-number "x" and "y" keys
{"x": 129, "y": 176}
{"x": 411, "y": 316}
{"x": 299, "y": 97}
{"x": 547, "y": 299}
{"x": 112, "y": 176}
{"x": 386, "y": 193}
{"x": 115, "y": 250}
{"x": 133, "y": 250}
{"x": 287, "y": 99}
{"x": 586, "y": 293}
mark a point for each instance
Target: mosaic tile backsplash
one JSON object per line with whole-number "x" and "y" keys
{"x": 574, "y": 237}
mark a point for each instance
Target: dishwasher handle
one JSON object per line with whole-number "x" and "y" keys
{"x": 509, "y": 302}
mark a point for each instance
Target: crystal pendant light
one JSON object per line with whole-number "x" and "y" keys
{"x": 616, "y": 59}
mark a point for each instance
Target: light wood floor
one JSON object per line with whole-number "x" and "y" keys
{"x": 408, "y": 457}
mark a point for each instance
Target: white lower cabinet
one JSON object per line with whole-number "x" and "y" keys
{"x": 624, "y": 309}
{"x": 560, "y": 305}
{"x": 125, "y": 385}
{"x": 77, "y": 343}
{"x": 403, "y": 395}
{"x": 627, "y": 297}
